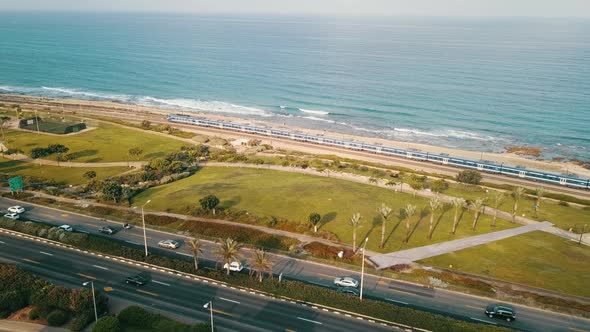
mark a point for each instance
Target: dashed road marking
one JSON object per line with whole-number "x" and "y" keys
{"x": 161, "y": 283}
{"x": 383, "y": 283}
{"x": 108, "y": 289}
{"x": 228, "y": 300}
{"x": 2, "y": 242}
{"x": 85, "y": 232}
{"x": 401, "y": 291}
{"x": 396, "y": 301}
{"x": 472, "y": 307}
{"x": 222, "y": 312}
{"x": 100, "y": 267}
{"x": 577, "y": 330}
{"x": 309, "y": 320}
{"x": 483, "y": 321}
{"x": 181, "y": 253}
{"x": 326, "y": 275}
{"x": 148, "y": 293}
{"x": 30, "y": 261}
{"x": 133, "y": 242}
{"x": 138, "y": 235}
{"x": 46, "y": 253}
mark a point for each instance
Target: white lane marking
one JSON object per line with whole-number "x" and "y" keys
{"x": 181, "y": 253}
{"x": 228, "y": 300}
{"x": 483, "y": 320}
{"x": 2, "y": 242}
{"x": 161, "y": 283}
{"x": 100, "y": 267}
{"x": 132, "y": 242}
{"x": 396, "y": 301}
{"x": 46, "y": 253}
{"x": 309, "y": 320}
{"x": 85, "y": 232}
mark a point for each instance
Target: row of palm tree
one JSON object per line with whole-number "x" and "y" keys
{"x": 229, "y": 251}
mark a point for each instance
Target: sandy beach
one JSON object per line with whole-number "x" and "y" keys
{"x": 125, "y": 111}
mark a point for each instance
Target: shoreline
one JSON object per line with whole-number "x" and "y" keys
{"x": 507, "y": 158}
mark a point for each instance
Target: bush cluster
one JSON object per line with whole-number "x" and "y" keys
{"x": 469, "y": 177}
{"x": 138, "y": 318}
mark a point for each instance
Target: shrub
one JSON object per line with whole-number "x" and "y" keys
{"x": 81, "y": 321}
{"x": 107, "y": 324}
{"x": 11, "y": 301}
{"x": 136, "y": 316}
{"x": 439, "y": 186}
{"x": 469, "y": 177}
{"x": 34, "y": 313}
{"x": 57, "y": 318}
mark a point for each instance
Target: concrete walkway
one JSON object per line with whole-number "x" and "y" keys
{"x": 18, "y": 326}
{"x": 414, "y": 254}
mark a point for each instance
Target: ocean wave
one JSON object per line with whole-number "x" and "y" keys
{"x": 65, "y": 92}
{"x": 314, "y": 112}
{"x": 203, "y": 106}
{"x": 317, "y": 119}
{"x": 411, "y": 133}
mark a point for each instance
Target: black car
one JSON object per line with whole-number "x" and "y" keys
{"x": 139, "y": 279}
{"x": 503, "y": 311}
{"x": 107, "y": 230}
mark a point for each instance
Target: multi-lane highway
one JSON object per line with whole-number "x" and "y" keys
{"x": 233, "y": 310}
{"x": 401, "y": 293}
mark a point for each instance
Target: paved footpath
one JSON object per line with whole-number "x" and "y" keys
{"x": 414, "y": 254}
{"x": 17, "y": 326}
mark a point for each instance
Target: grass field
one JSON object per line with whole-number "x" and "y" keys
{"x": 564, "y": 217}
{"x": 294, "y": 196}
{"x": 537, "y": 259}
{"x": 62, "y": 174}
{"x": 106, "y": 143}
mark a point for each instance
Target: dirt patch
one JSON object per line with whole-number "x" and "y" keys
{"x": 524, "y": 150}
{"x": 23, "y": 316}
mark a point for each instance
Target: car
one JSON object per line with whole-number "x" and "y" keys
{"x": 170, "y": 244}
{"x": 348, "y": 291}
{"x": 234, "y": 266}
{"x": 66, "y": 228}
{"x": 504, "y": 311}
{"x": 107, "y": 230}
{"x": 16, "y": 209}
{"x": 346, "y": 282}
{"x": 139, "y": 279}
{"x": 12, "y": 216}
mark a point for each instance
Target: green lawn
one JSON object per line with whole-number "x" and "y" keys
{"x": 537, "y": 259}
{"x": 294, "y": 196}
{"x": 564, "y": 217}
{"x": 106, "y": 143}
{"x": 62, "y": 174}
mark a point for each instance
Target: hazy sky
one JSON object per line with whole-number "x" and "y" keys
{"x": 339, "y": 7}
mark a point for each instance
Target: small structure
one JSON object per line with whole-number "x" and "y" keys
{"x": 50, "y": 126}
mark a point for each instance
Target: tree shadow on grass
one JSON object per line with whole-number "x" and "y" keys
{"x": 423, "y": 213}
{"x": 228, "y": 204}
{"x": 154, "y": 155}
{"x": 400, "y": 217}
{"x": 94, "y": 160}
{"x": 84, "y": 153}
{"x": 326, "y": 218}
{"x": 374, "y": 223}
{"x": 438, "y": 220}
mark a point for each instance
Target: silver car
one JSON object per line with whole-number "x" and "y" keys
{"x": 169, "y": 244}
{"x": 16, "y": 209}
{"x": 12, "y": 216}
{"x": 346, "y": 282}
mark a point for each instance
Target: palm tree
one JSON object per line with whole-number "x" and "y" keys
{"x": 435, "y": 205}
{"x": 498, "y": 198}
{"x": 196, "y": 247}
{"x": 477, "y": 209}
{"x": 385, "y": 212}
{"x": 458, "y": 204}
{"x": 539, "y": 191}
{"x": 355, "y": 222}
{"x": 314, "y": 220}
{"x": 228, "y": 251}
{"x": 517, "y": 195}
{"x": 409, "y": 210}
{"x": 260, "y": 264}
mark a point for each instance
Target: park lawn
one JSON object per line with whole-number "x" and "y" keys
{"x": 63, "y": 174}
{"x": 537, "y": 259}
{"x": 294, "y": 196}
{"x": 564, "y": 217}
{"x": 107, "y": 143}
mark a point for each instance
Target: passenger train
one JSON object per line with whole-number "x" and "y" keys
{"x": 444, "y": 159}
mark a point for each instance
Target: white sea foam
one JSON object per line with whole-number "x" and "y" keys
{"x": 317, "y": 119}
{"x": 202, "y": 106}
{"x": 314, "y": 112}
{"x": 65, "y": 92}
{"x": 283, "y": 107}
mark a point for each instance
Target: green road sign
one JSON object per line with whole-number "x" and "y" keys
{"x": 16, "y": 183}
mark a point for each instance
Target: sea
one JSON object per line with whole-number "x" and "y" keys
{"x": 478, "y": 84}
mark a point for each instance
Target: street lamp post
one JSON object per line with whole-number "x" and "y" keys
{"x": 209, "y": 305}
{"x": 143, "y": 221}
{"x": 363, "y": 268}
{"x": 93, "y": 298}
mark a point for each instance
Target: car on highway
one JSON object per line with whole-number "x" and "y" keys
{"x": 169, "y": 244}
{"x": 66, "y": 228}
{"x": 107, "y": 230}
{"x": 139, "y": 279}
{"x": 348, "y": 291}
{"x": 16, "y": 209}
{"x": 13, "y": 216}
{"x": 234, "y": 266}
{"x": 346, "y": 282}
{"x": 504, "y": 311}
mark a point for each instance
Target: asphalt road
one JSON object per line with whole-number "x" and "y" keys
{"x": 233, "y": 310}
{"x": 436, "y": 300}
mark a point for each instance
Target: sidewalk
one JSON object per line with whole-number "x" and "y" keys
{"x": 18, "y": 326}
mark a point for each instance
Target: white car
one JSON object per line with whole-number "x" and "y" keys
{"x": 346, "y": 282}
{"x": 234, "y": 266}
{"x": 169, "y": 244}
{"x": 66, "y": 228}
{"x": 12, "y": 216}
{"x": 16, "y": 209}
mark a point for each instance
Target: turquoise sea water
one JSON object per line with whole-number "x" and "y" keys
{"x": 478, "y": 84}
